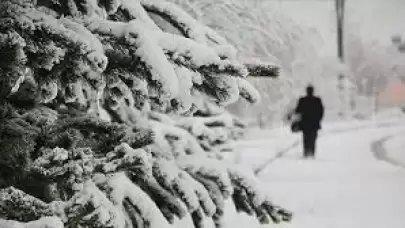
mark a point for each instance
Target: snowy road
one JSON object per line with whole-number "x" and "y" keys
{"x": 351, "y": 183}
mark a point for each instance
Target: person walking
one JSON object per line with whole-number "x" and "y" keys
{"x": 310, "y": 110}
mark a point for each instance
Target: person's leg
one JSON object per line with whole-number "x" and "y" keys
{"x": 315, "y": 138}
{"x": 312, "y": 142}
{"x": 306, "y": 143}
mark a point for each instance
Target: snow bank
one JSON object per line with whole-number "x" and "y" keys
{"x": 395, "y": 148}
{"x": 44, "y": 222}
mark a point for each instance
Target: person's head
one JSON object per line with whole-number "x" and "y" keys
{"x": 310, "y": 90}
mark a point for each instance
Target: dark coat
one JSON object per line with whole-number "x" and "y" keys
{"x": 311, "y": 110}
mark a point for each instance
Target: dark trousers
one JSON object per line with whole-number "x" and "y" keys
{"x": 309, "y": 138}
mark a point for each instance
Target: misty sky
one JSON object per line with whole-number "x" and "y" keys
{"x": 371, "y": 19}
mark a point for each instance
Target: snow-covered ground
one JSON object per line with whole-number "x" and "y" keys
{"x": 348, "y": 185}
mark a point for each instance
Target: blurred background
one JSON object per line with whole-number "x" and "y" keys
{"x": 361, "y": 80}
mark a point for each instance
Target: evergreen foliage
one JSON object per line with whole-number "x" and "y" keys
{"x": 107, "y": 119}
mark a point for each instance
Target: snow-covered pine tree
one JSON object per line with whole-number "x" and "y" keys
{"x": 109, "y": 119}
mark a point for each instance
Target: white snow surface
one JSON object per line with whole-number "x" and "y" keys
{"x": 345, "y": 186}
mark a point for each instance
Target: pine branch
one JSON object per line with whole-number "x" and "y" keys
{"x": 247, "y": 91}
{"x": 206, "y": 203}
{"x": 169, "y": 176}
{"x": 250, "y": 199}
{"x": 139, "y": 139}
{"x": 188, "y": 26}
{"x": 133, "y": 213}
{"x": 122, "y": 189}
{"x": 216, "y": 196}
{"x": 208, "y": 168}
{"x": 261, "y": 70}
{"x": 166, "y": 202}
{"x": 17, "y": 205}
{"x": 198, "y": 218}
{"x": 242, "y": 202}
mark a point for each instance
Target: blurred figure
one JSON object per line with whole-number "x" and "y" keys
{"x": 311, "y": 110}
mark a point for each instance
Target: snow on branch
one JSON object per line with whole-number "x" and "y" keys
{"x": 262, "y": 70}
{"x": 189, "y": 27}
{"x": 17, "y": 205}
{"x": 258, "y": 68}
{"x": 209, "y": 168}
{"x": 214, "y": 131}
{"x": 250, "y": 199}
{"x": 137, "y": 41}
{"x": 123, "y": 190}
{"x": 198, "y": 56}
{"x": 247, "y": 91}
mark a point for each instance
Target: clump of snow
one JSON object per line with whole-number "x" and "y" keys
{"x": 174, "y": 139}
{"x": 125, "y": 156}
{"x": 44, "y": 222}
{"x": 207, "y": 167}
{"x": 247, "y": 91}
{"x": 192, "y": 27}
{"x": 104, "y": 214}
{"x": 122, "y": 188}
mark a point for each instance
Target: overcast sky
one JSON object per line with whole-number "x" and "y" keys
{"x": 372, "y": 19}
